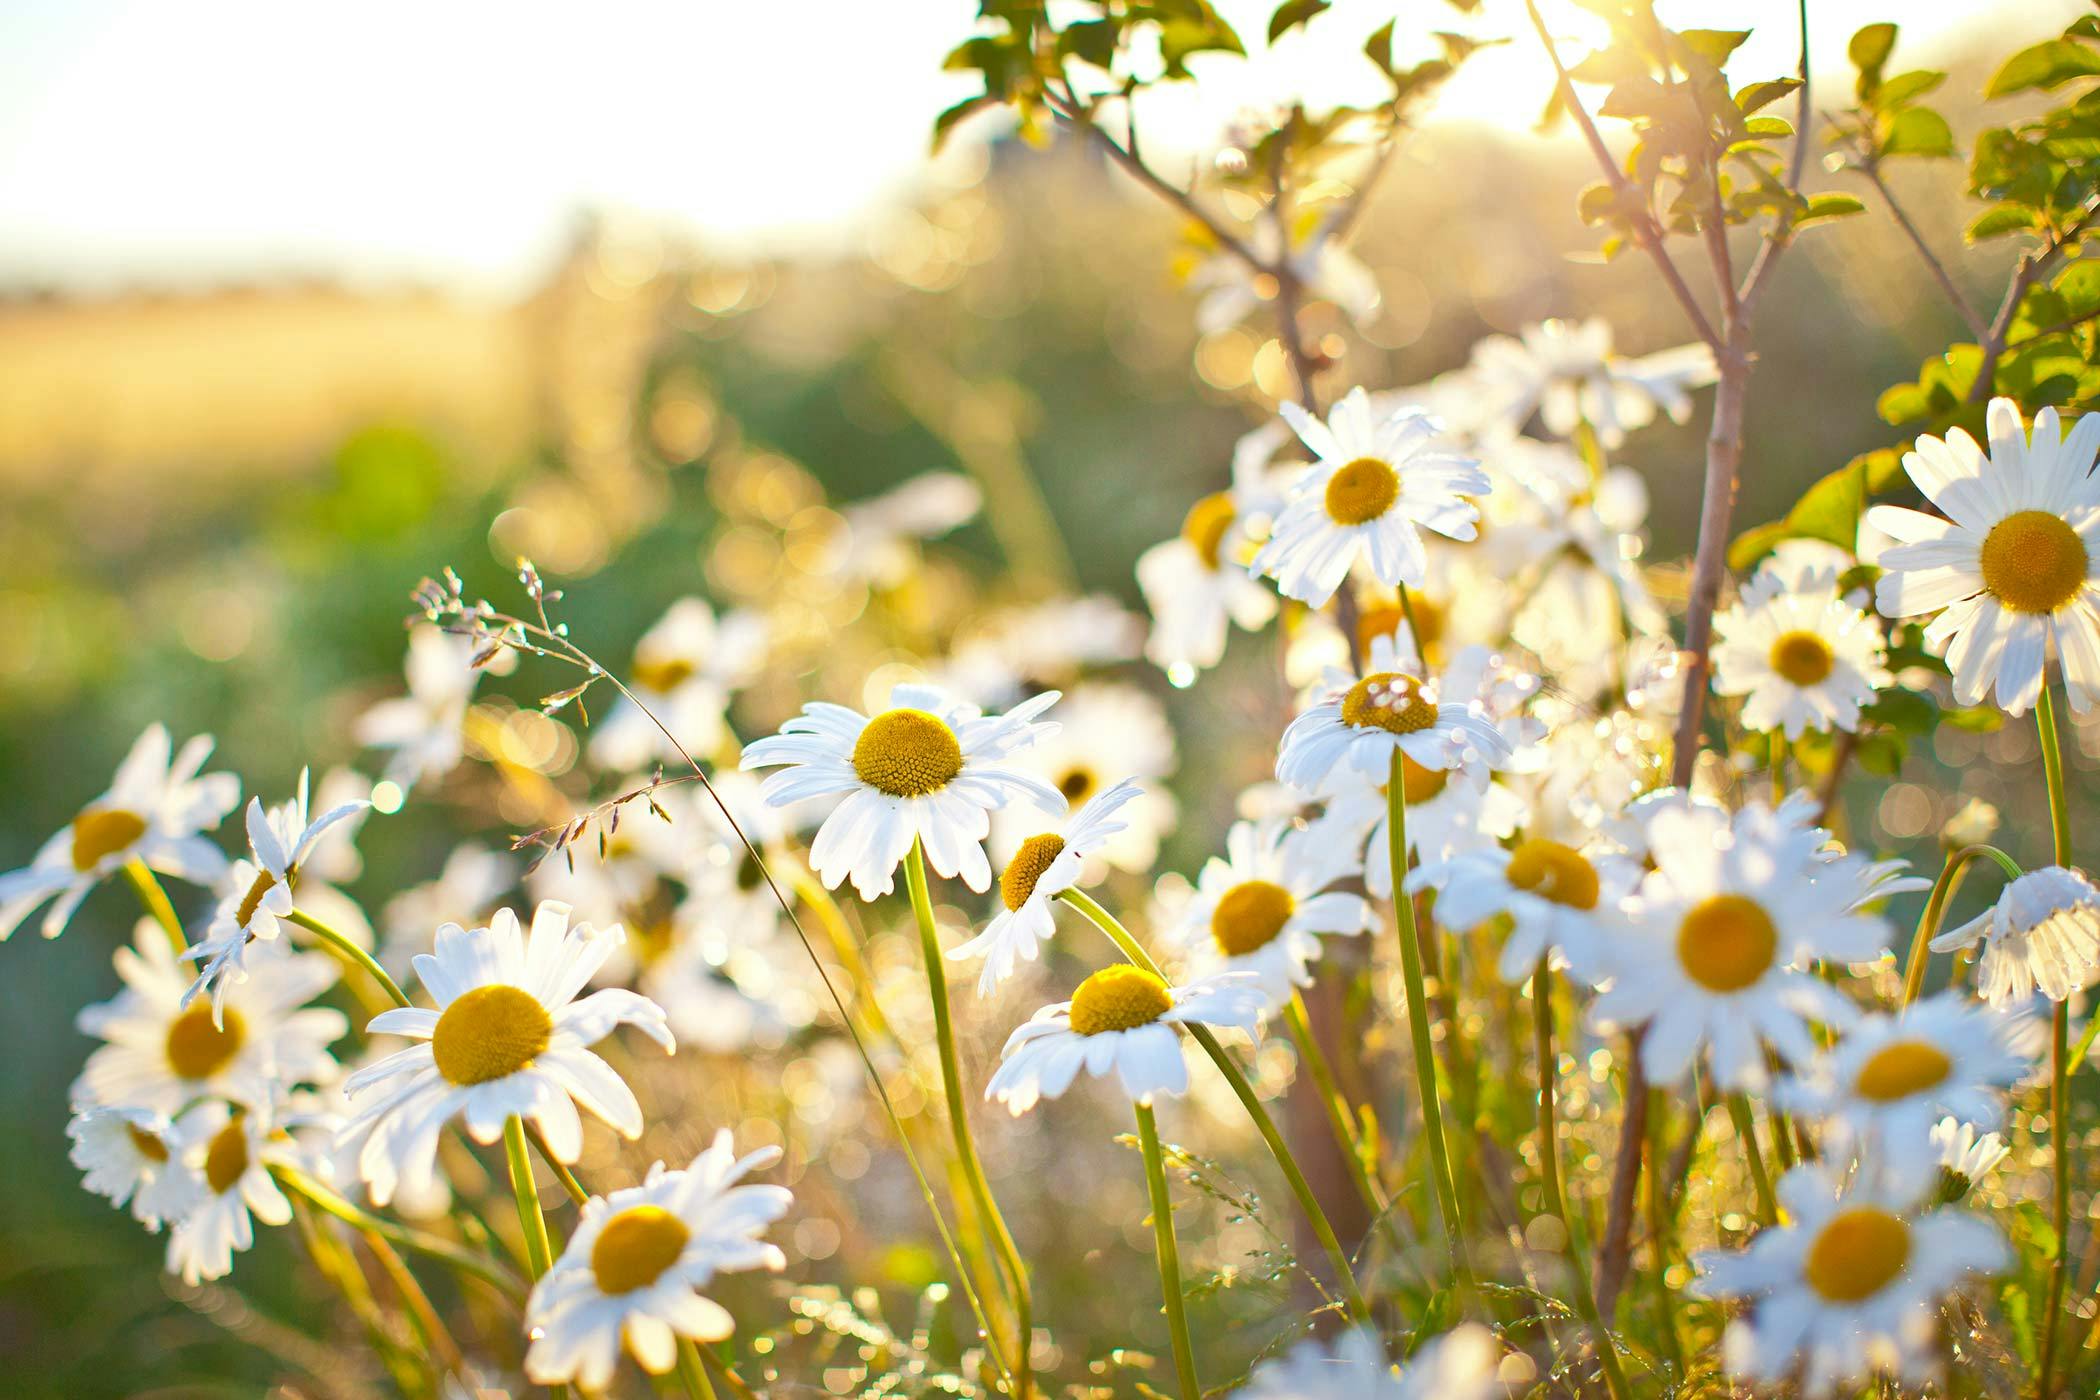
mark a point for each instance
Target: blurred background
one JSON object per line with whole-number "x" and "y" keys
{"x": 299, "y": 304}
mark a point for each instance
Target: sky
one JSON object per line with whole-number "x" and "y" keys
{"x": 147, "y": 144}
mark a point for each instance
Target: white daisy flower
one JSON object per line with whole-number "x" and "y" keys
{"x": 426, "y": 729}
{"x": 2013, "y": 567}
{"x": 1805, "y": 655}
{"x": 1044, "y": 867}
{"x": 1567, "y": 374}
{"x": 1966, "y": 1157}
{"x": 1196, "y": 585}
{"x": 1232, "y": 290}
{"x": 1559, "y": 900}
{"x": 1848, "y": 1286}
{"x": 1122, "y": 1019}
{"x": 2043, "y": 935}
{"x": 927, "y": 769}
{"x": 506, "y": 1039}
{"x": 1107, "y": 730}
{"x": 879, "y": 542}
{"x": 1373, "y": 487}
{"x": 131, "y": 1156}
{"x": 1262, "y": 908}
{"x": 232, "y": 1151}
{"x": 1440, "y": 723}
{"x": 1884, "y": 1086}
{"x": 633, "y": 1270}
{"x": 163, "y": 1052}
{"x": 686, "y": 669}
{"x": 467, "y": 889}
{"x": 1039, "y": 646}
{"x": 1459, "y": 1365}
{"x": 258, "y": 890}
{"x": 155, "y": 808}
{"x": 1712, "y": 948}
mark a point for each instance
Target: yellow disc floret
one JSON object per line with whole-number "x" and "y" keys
{"x": 1205, "y": 525}
{"x": 489, "y": 1032}
{"x": 103, "y": 831}
{"x": 2033, "y": 562}
{"x": 1419, "y": 784}
{"x": 1902, "y": 1068}
{"x": 662, "y": 674}
{"x": 1362, "y": 491}
{"x": 1859, "y": 1253}
{"x": 197, "y": 1049}
{"x": 1553, "y": 871}
{"x": 1385, "y": 620}
{"x": 226, "y": 1159}
{"x": 907, "y": 753}
{"x": 1390, "y": 701}
{"x": 147, "y": 1145}
{"x": 1249, "y": 916}
{"x": 635, "y": 1248}
{"x": 252, "y": 900}
{"x": 1727, "y": 942}
{"x": 1119, "y": 998}
{"x": 1803, "y": 658}
{"x": 1077, "y": 783}
{"x": 1027, "y": 867}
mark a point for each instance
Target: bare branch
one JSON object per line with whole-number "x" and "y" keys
{"x": 1870, "y": 166}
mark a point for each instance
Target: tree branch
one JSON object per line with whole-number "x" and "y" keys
{"x": 1869, "y": 166}
{"x": 2032, "y": 267}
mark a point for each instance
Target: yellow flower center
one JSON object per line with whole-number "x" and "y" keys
{"x": 1857, "y": 1254}
{"x": 103, "y": 831}
{"x": 1902, "y": 1068}
{"x": 1362, "y": 491}
{"x": 664, "y": 674}
{"x": 1390, "y": 701}
{"x": 1419, "y": 784}
{"x": 489, "y": 1032}
{"x": 148, "y": 1145}
{"x": 635, "y": 1247}
{"x": 1027, "y": 867}
{"x": 1119, "y": 998}
{"x": 252, "y": 901}
{"x": 1553, "y": 871}
{"x": 2033, "y": 562}
{"x": 1249, "y": 916}
{"x": 1802, "y": 657}
{"x": 226, "y": 1160}
{"x": 1727, "y": 942}
{"x": 1205, "y": 525}
{"x": 197, "y": 1049}
{"x": 907, "y": 753}
{"x": 1386, "y": 619}
{"x": 1077, "y": 784}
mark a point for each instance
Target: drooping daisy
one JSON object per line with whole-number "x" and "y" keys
{"x": 633, "y": 1270}
{"x": 1046, "y": 865}
{"x": 927, "y": 769}
{"x": 1848, "y": 1285}
{"x": 155, "y": 808}
{"x": 506, "y": 1039}
{"x": 1567, "y": 373}
{"x": 1712, "y": 948}
{"x": 1439, "y": 723}
{"x": 1196, "y": 585}
{"x": 1262, "y": 909}
{"x": 131, "y": 1155}
{"x": 686, "y": 668}
{"x": 163, "y": 1054}
{"x": 2015, "y": 563}
{"x": 1802, "y": 652}
{"x": 1107, "y": 731}
{"x": 1966, "y": 1157}
{"x": 1459, "y": 1365}
{"x": 231, "y": 1150}
{"x": 1892, "y": 1076}
{"x": 1559, "y": 900}
{"x": 1374, "y": 486}
{"x": 2042, "y": 935}
{"x": 1122, "y": 1019}
{"x": 426, "y": 728}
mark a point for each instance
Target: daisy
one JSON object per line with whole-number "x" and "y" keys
{"x": 1884, "y": 1086}
{"x": 1107, "y": 730}
{"x": 633, "y": 1269}
{"x": 1965, "y": 1157}
{"x": 426, "y": 729}
{"x": 1459, "y": 1365}
{"x": 1567, "y": 374}
{"x": 1712, "y": 948}
{"x": 259, "y": 888}
{"x": 1374, "y": 484}
{"x": 928, "y": 770}
{"x": 1558, "y": 900}
{"x": 129, "y": 1155}
{"x": 1232, "y": 289}
{"x": 1042, "y": 646}
{"x": 2014, "y": 565}
{"x": 1262, "y": 908}
{"x": 1122, "y": 1018}
{"x": 2042, "y": 934}
{"x": 878, "y": 543}
{"x": 231, "y": 1149}
{"x": 1439, "y": 723}
{"x": 163, "y": 1052}
{"x": 1196, "y": 585}
{"x": 507, "y": 1039}
{"x": 1045, "y": 866}
{"x": 1848, "y": 1286}
{"x": 467, "y": 889}
{"x": 686, "y": 668}
{"x": 155, "y": 808}
{"x": 1802, "y": 652}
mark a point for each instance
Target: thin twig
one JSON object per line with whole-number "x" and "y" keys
{"x": 2032, "y": 267}
{"x": 1869, "y": 165}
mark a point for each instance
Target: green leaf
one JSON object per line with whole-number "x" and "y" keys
{"x": 2048, "y": 64}
{"x": 1882, "y": 753}
{"x": 1756, "y": 95}
{"x": 1916, "y": 131}
{"x": 1904, "y": 710}
{"x": 1714, "y": 45}
{"x": 1293, "y": 13}
{"x": 945, "y": 124}
{"x": 1379, "y": 49}
{"x": 1999, "y": 220}
{"x": 1091, "y": 40}
{"x": 1829, "y": 206}
{"x": 1906, "y": 87}
{"x": 1767, "y": 128}
{"x": 1976, "y": 719}
{"x": 1870, "y": 47}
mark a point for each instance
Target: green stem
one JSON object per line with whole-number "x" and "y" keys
{"x": 1339, "y": 1114}
{"x": 1760, "y": 1180}
{"x": 1446, "y": 1186}
{"x": 1359, "y": 1310}
{"x": 567, "y": 1178}
{"x": 1169, "y": 1257}
{"x": 351, "y": 953}
{"x": 155, "y": 899}
{"x": 465, "y": 1260}
{"x": 959, "y": 1123}
{"x": 2060, "y": 1060}
{"x": 1935, "y": 911}
{"x": 693, "y": 1372}
{"x": 1661, "y": 1223}
{"x": 538, "y": 1253}
{"x": 1549, "y": 1177}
